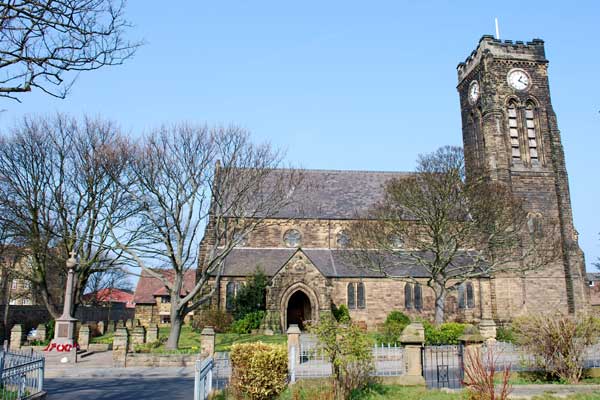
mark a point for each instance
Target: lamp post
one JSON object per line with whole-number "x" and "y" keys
{"x": 64, "y": 328}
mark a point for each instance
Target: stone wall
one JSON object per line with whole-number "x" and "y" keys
{"x": 316, "y": 233}
{"x": 147, "y": 314}
{"x": 385, "y": 295}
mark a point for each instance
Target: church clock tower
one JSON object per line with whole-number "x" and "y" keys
{"x": 510, "y": 131}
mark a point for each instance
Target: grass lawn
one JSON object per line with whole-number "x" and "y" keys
{"x": 189, "y": 341}
{"x": 320, "y": 389}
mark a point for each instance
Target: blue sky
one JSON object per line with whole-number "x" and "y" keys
{"x": 342, "y": 84}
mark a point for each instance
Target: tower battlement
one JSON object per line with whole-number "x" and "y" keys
{"x": 518, "y": 50}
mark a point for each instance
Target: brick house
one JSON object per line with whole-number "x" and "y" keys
{"x": 510, "y": 128}
{"x": 108, "y": 296}
{"x": 152, "y": 300}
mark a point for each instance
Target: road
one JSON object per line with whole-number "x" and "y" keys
{"x": 93, "y": 383}
{"x": 170, "y": 388}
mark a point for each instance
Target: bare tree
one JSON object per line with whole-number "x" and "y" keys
{"x": 41, "y": 42}
{"x": 57, "y": 189}
{"x": 185, "y": 178}
{"x": 450, "y": 227}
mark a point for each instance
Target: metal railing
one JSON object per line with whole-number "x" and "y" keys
{"x": 21, "y": 374}
{"x": 203, "y": 378}
{"x": 313, "y": 362}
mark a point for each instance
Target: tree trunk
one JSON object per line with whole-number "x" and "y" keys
{"x": 176, "y": 324}
{"x": 440, "y": 301}
{"x": 52, "y": 309}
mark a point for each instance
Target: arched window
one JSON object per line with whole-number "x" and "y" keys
{"x": 461, "y": 296}
{"x": 466, "y": 297}
{"x": 408, "y": 296}
{"x": 535, "y": 224}
{"x": 360, "y": 294}
{"x": 532, "y": 142}
{"x": 229, "y": 295}
{"x": 470, "y": 297}
{"x": 351, "y": 297}
{"x": 418, "y": 297}
{"x": 513, "y": 128}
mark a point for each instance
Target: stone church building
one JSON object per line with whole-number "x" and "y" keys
{"x": 509, "y": 127}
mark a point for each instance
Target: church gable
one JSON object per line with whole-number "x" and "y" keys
{"x": 299, "y": 268}
{"x": 299, "y": 273}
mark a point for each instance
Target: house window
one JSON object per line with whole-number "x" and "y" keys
{"x": 351, "y": 297}
{"x": 14, "y": 284}
{"x": 229, "y": 295}
{"x": 165, "y": 319}
{"x": 360, "y": 294}
{"x": 531, "y": 133}
{"x": 466, "y": 298}
{"x": 165, "y": 299}
{"x": 292, "y": 238}
{"x": 513, "y": 128}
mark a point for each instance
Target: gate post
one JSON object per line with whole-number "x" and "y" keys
{"x": 293, "y": 336}
{"x": 413, "y": 339}
{"x": 207, "y": 341}
{"x": 471, "y": 342}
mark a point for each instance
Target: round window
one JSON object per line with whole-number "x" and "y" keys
{"x": 292, "y": 238}
{"x": 240, "y": 239}
{"x": 343, "y": 239}
{"x": 396, "y": 241}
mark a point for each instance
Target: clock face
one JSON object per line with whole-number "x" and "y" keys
{"x": 473, "y": 92}
{"x": 518, "y": 79}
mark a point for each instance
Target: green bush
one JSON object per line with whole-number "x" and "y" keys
{"x": 391, "y": 330}
{"x": 349, "y": 350}
{"x": 259, "y": 371}
{"x": 219, "y": 320}
{"x": 248, "y": 323}
{"x": 505, "y": 334}
{"x": 341, "y": 313}
{"x": 443, "y": 334}
{"x": 558, "y": 342}
{"x": 251, "y": 297}
{"x": 397, "y": 317}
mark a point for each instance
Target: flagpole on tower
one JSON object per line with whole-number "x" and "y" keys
{"x": 497, "y": 29}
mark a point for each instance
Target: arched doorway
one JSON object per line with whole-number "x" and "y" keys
{"x": 299, "y": 309}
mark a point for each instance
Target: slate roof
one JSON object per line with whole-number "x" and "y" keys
{"x": 148, "y": 286}
{"x": 331, "y": 263}
{"x": 331, "y": 194}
